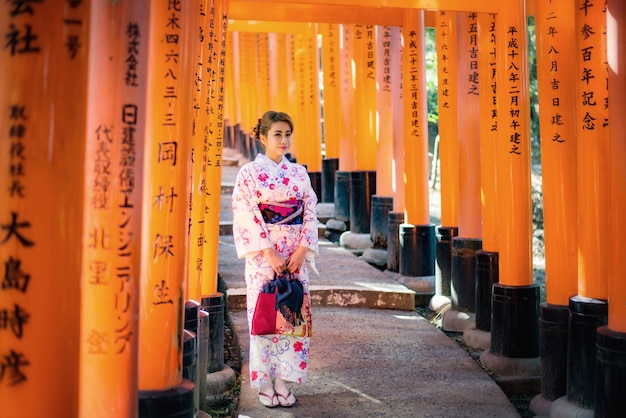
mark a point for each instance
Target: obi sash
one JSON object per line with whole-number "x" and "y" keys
{"x": 288, "y": 212}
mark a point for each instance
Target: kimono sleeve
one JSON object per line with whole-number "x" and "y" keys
{"x": 309, "y": 231}
{"x": 249, "y": 230}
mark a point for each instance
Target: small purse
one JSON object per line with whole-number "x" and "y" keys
{"x": 264, "y": 317}
{"x": 282, "y": 308}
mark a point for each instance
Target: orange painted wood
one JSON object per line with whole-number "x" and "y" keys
{"x": 555, "y": 54}
{"x": 331, "y": 42}
{"x": 165, "y": 216}
{"x": 468, "y": 129}
{"x": 385, "y": 77}
{"x": 416, "y": 169}
{"x": 616, "y": 54}
{"x": 214, "y": 107}
{"x": 115, "y": 135}
{"x": 199, "y": 143}
{"x": 380, "y": 12}
{"x": 232, "y": 111}
{"x": 347, "y": 147}
{"x": 398, "y": 122}
{"x": 365, "y": 95}
{"x": 43, "y": 102}
{"x": 593, "y": 133}
{"x": 513, "y": 151}
{"x": 488, "y": 130}
{"x": 446, "y": 39}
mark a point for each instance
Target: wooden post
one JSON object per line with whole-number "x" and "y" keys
{"x": 332, "y": 101}
{"x": 488, "y": 128}
{"x": 556, "y": 84}
{"x": 611, "y": 347}
{"x": 446, "y": 36}
{"x": 515, "y": 287}
{"x": 165, "y": 214}
{"x": 347, "y": 146}
{"x": 43, "y": 101}
{"x": 417, "y": 235}
{"x": 384, "y": 111}
{"x": 113, "y": 191}
{"x": 365, "y": 95}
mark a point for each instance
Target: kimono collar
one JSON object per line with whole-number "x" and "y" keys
{"x": 265, "y": 160}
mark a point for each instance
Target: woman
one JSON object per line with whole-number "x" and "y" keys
{"x": 284, "y": 240}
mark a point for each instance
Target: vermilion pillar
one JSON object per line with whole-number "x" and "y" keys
{"x": 365, "y": 95}
{"x": 384, "y": 112}
{"x": 347, "y": 146}
{"x": 331, "y": 128}
{"x": 43, "y": 101}
{"x": 487, "y": 258}
{"x": 556, "y": 83}
{"x": 446, "y": 32}
{"x": 514, "y": 332}
{"x": 611, "y": 342}
{"x": 331, "y": 41}
{"x": 113, "y": 191}
{"x": 588, "y": 309}
{"x": 417, "y": 237}
{"x": 165, "y": 214}
{"x": 464, "y": 246}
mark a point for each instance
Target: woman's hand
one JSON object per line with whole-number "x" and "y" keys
{"x": 297, "y": 259}
{"x": 276, "y": 261}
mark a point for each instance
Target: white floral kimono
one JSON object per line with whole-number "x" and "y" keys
{"x": 262, "y": 181}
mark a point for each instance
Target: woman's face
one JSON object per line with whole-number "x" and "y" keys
{"x": 277, "y": 141}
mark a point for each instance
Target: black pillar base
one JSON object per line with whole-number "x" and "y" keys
{"x": 379, "y": 220}
{"x": 610, "y": 373}
{"x": 463, "y": 273}
{"x": 214, "y": 305}
{"x": 487, "y": 273}
{"x": 329, "y": 167}
{"x": 444, "y": 259}
{"x": 342, "y": 196}
{"x": 393, "y": 240}
{"x": 362, "y": 188}
{"x": 586, "y": 315}
{"x": 515, "y": 321}
{"x": 177, "y": 402}
{"x": 553, "y": 331}
{"x": 417, "y": 250}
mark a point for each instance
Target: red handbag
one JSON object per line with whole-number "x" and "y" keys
{"x": 264, "y": 317}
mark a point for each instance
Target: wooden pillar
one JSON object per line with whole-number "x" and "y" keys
{"x": 611, "y": 346}
{"x": 214, "y": 108}
{"x": 198, "y": 156}
{"x": 556, "y": 52}
{"x": 263, "y": 73}
{"x": 514, "y": 332}
{"x": 347, "y": 146}
{"x": 468, "y": 118}
{"x": 332, "y": 76}
{"x": 468, "y": 241}
{"x": 365, "y": 95}
{"x": 385, "y": 77}
{"x": 165, "y": 214}
{"x": 113, "y": 191}
{"x": 399, "y": 200}
{"x": 593, "y": 133}
{"x": 417, "y": 235}
{"x": 415, "y": 133}
{"x": 43, "y": 80}
{"x": 488, "y": 130}
{"x": 446, "y": 36}
{"x": 513, "y": 150}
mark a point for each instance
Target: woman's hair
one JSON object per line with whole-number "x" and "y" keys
{"x": 265, "y": 123}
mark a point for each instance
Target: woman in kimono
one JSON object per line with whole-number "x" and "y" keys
{"x": 275, "y": 229}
